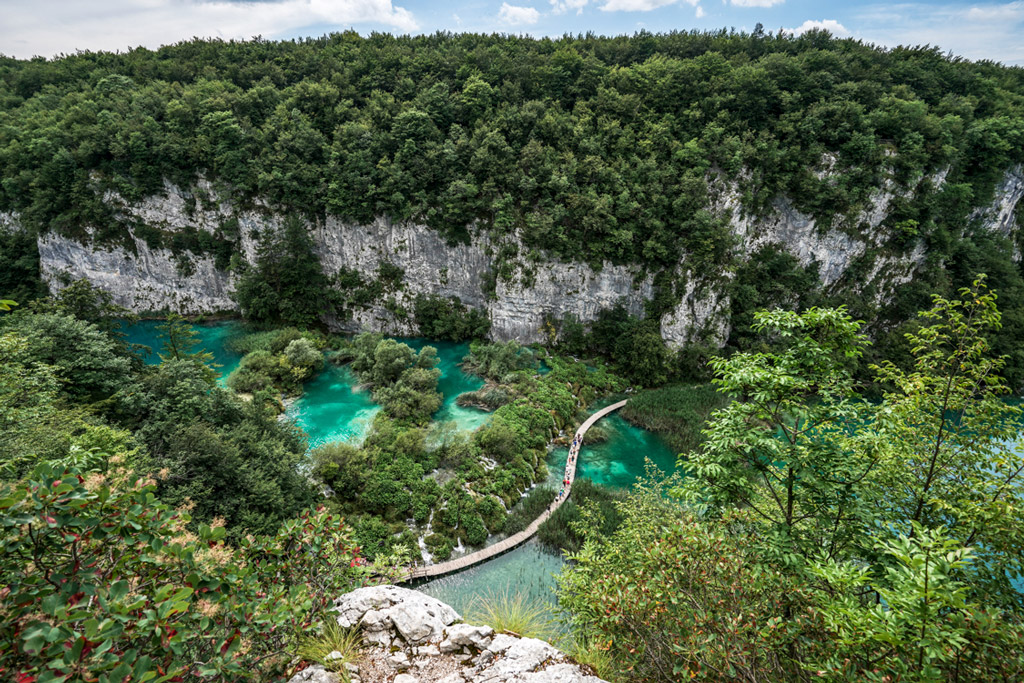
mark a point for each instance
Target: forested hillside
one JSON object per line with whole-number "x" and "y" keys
{"x": 587, "y": 149}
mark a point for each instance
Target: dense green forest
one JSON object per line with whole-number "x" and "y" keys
{"x": 593, "y": 149}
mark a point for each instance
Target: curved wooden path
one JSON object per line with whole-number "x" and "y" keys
{"x": 515, "y": 539}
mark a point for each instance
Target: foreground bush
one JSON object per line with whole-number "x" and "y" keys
{"x": 101, "y": 582}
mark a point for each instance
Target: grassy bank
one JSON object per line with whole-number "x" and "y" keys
{"x": 678, "y": 413}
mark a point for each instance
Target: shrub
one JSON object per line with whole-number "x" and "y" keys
{"x": 440, "y": 318}
{"x": 103, "y": 581}
{"x": 439, "y": 545}
{"x": 496, "y": 360}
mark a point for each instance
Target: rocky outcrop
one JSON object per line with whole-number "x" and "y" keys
{"x": 410, "y": 637}
{"x": 518, "y": 292}
{"x": 702, "y": 314}
{"x": 145, "y": 279}
{"x": 518, "y": 305}
{"x": 1000, "y": 215}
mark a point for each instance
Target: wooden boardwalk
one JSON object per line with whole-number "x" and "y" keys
{"x": 515, "y": 539}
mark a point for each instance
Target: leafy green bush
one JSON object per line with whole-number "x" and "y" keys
{"x": 495, "y": 360}
{"x": 284, "y": 363}
{"x": 404, "y": 381}
{"x": 101, "y": 581}
{"x": 440, "y": 318}
{"x": 439, "y": 545}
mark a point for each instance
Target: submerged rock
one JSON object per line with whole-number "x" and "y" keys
{"x": 410, "y": 637}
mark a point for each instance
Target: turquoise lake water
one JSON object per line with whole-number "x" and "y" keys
{"x": 526, "y": 570}
{"x": 618, "y": 462}
{"x": 212, "y": 338}
{"x": 454, "y": 381}
{"x": 333, "y": 408}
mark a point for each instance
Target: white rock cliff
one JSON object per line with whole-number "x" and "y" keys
{"x": 145, "y": 279}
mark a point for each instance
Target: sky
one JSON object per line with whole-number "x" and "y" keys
{"x": 991, "y": 30}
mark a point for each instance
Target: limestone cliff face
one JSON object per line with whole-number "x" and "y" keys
{"x": 431, "y": 266}
{"x": 144, "y": 280}
{"x": 148, "y": 279}
{"x": 1000, "y": 215}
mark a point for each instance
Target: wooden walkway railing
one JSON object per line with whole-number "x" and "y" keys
{"x": 515, "y": 539}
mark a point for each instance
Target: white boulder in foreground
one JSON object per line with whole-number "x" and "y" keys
{"x": 410, "y": 637}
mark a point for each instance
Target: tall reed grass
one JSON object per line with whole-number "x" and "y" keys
{"x": 676, "y": 412}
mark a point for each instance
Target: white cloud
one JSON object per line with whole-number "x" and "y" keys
{"x": 1012, "y": 11}
{"x": 640, "y": 5}
{"x": 830, "y": 25}
{"x": 990, "y": 31}
{"x": 64, "y": 26}
{"x": 756, "y": 3}
{"x": 563, "y": 6}
{"x": 516, "y": 15}
{"x": 700, "y": 12}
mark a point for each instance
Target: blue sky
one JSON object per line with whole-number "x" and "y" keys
{"x": 976, "y": 30}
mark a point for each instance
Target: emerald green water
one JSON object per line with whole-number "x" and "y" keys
{"x": 332, "y": 409}
{"x": 212, "y": 338}
{"x": 454, "y": 381}
{"x": 618, "y": 462}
